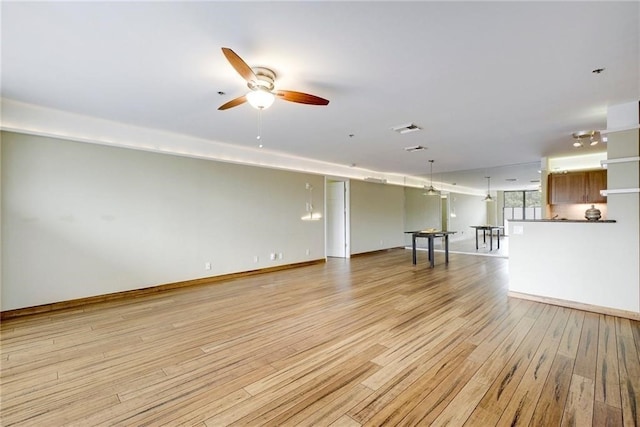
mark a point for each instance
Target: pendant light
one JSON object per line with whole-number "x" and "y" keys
{"x": 488, "y": 198}
{"x": 430, "y": 190}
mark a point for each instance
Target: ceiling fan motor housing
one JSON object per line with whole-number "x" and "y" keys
{"x": 265, "y": 79}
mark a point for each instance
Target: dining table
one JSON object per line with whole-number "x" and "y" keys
{"x": 430, "y": 235}
{"x": 490, "y": 229}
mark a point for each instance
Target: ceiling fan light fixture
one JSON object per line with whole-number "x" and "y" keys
{"x": 261, "y": 81}
{"x": 260, "y": 99}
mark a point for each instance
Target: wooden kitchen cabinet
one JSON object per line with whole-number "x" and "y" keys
{"x": 596, "y": 181}
{"x": 577, "y": 187}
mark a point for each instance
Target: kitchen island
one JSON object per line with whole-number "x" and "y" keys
{"x": 574, "y": 263}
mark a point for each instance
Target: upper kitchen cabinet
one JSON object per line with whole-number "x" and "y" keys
{"x": 577, "y": 187}
{"x": 596, "y": 181}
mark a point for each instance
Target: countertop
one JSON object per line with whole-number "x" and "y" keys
{"x": 601, "y": 221}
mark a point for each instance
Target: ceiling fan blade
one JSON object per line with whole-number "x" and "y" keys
{"x": 301, "y": 98}
{"x": 233, "y": 103}
{"x": 239, "y": 65}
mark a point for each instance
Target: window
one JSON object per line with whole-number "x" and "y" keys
{"x": 522, "y": 205}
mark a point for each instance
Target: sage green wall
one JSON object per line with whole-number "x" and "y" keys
{"x": 80, "y": 219}
{"x": 421, "y": 212}
{"x": 1, "y": 215}
{"x": 469, "y": 210}
{"x": 377, "y": 216}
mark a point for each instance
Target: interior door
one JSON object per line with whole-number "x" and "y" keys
{"x": 336, "y": 219}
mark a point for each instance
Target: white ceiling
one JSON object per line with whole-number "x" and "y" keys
{"x": 491, "y": 84}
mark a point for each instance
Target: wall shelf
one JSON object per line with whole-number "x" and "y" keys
{"x": 619, "y": 191}
{"x": 604, "y": 163}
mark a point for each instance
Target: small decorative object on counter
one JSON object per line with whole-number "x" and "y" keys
{"x": 592, "y": 214}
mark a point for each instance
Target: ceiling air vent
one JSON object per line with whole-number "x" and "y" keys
{"x": 377, "y": 180}
{"x": 406, "y": 128}
{"x": 414, "y": 148}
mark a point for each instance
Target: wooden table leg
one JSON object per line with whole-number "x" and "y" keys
{"x": 477, "y": 239}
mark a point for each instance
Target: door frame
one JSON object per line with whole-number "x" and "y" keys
{"x": 345, "y": 217}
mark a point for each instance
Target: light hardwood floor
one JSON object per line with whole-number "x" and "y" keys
{"x": 369, "y": 341}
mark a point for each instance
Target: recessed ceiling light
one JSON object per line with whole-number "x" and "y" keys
{"x": 221, "y": 92}
{"x": 511, "y": 179}
{"x": 415, "y": 148}
{"x": 406, "y": 128}
{"x": 577, "y": 144}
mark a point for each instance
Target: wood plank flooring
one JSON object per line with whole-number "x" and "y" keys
{"x": 369, "y": 341}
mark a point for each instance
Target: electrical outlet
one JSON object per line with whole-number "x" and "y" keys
{"x": 207, "y": 266}
{"x": 279, "y": 255}
{"x": 272, "y": 256}
{"x": 256, "y": 258}
{"x": 307, "y": 252}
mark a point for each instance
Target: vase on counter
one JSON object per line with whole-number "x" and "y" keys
{"x": 592, "y": 214}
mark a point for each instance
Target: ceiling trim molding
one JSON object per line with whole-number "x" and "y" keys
{"x": 31, "y": 119}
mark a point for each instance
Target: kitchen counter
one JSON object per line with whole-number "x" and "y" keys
{"x": 573, "y": 263}
{"x": 601, "y": 221}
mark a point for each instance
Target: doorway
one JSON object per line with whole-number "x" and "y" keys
{"x": 444, "y": 206}
{"x": 337, "y": 224}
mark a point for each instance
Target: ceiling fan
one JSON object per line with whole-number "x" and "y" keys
{"x": 261, "y": 82}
